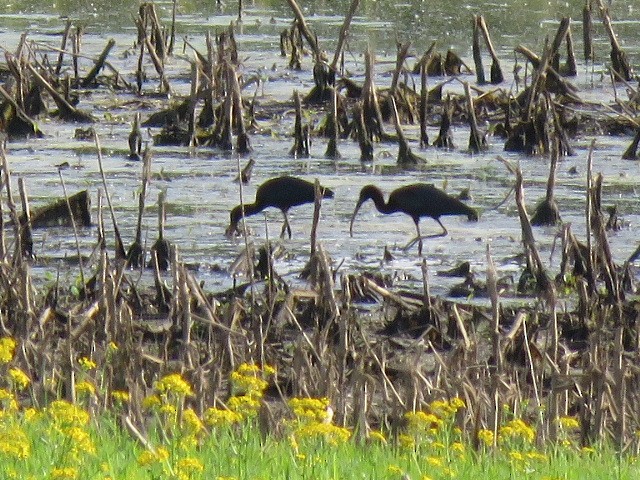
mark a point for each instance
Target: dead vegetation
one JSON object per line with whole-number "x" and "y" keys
{"x": 410, "y": 348}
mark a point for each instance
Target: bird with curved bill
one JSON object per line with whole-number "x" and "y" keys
{"x": 416, "y": 200}
{"x": 281, "y": 193}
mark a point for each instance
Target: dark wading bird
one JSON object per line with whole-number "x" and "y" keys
{"x": 280, "y": 192}
{"x": 416, "y": 200}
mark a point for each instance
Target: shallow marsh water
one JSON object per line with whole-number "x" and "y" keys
{"x": 199, "y": 182}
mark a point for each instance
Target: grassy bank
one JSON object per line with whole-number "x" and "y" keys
{"x": 257, "y": 437}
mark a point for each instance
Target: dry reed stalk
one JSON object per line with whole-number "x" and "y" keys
{"x": 119, "y": 247}
{"x": 406, "y": 157}
{"x": 370, "y": 105}
{"x": 619, "y": 60}
{"x": 75, "y": 233}
{"x": 76, "y": 44}
{"x": 587, "y": 31}
{"x": 344, "y": 30}
{"x": 304, "y": 29}
{"x": 243, "y": 142}
{"x": 172, "y": 31}
{"x": 301, "y": 142}
{"x": 26, "y": 238}
{"x": 477, "y": 56}
{"x": 196, "y": 67}
{"x": 99, "y": 64}
{"x": 332, "y": 146}
{"x": 477, "y": 141}
{"x": 13, "y": 213}
{"x": 424, "y": 100}
{"x": 66, "y": 110}
{"x": 496, "y": 71}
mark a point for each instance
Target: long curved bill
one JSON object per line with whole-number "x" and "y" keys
{"x": 353, "y": 217}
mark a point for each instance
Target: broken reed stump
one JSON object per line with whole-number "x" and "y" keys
{"x": 135, "y": 254}
{"x": 424, "y": 101}
{"x": 364, "y": 141}
{"x": 135, "y": 139}
{"x": 406, "y": 158}
{"x": 445, "y": 137}
{"x": 619, "y": 60}
{"x": 496, "y": 71}
{"x": 161, "y": 248}
{"x": 332, "y": 128}
{"x": 66, "y": 111}
{"x": 99, "y": 64}
{"x": 587, "y": 31}
{"x": 547, "y": 212}
{"x": 371, "y": 113}
{"x": 477, "y": 140}
{"x": 631, "y": 153}
{"x": 301, "y": 139}
{"x": 243, "y": 142}
{"x": 14, "y": 121}
{"x": 477, "y": 55}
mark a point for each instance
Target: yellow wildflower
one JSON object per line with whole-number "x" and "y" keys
{"x": 14, "y": 443}
{"x": 190, "y": 465}
{"x": 86, "y": 363}
{"x": 30, "y": 414}
{"x": 66, "y": 473}
{"x": 80, "y": 440}
{"x": 422, "y": 422}
{"x": 244, "y": 405}
{"x": 66, "y": 413}
{"x": 85, "y": 388}
{"x": 486, "y": 436}
{"x": 394, "y": 470}
{"x": 536, "y": 456}
{"x": 7, "y": 400}
{"x": 112, "y": 347}
{"x": 216, "y": 417}
{"x": 517, "y": 428}
{"x": 248, "y": 384}
{"x": 147, "y": 457}
{"x": 435, "y": 461}
{"x": 406, "y": 441}
{"x": 7, "y": 349}
{"x": 192, "y": 421}
{"x": 457, "y": 447}
{"x": 329, "y": 432}
{"x": 569, "y": 423}
{"x": 377, "y": 436}
{"x": 151, "y": 402}
{"x": 516, "y": 456}
{"x": 311, "y": 409}
{"x": 120, "y": 396}
{"x": 175, "y": 384}
{"x": 19, "y": 378}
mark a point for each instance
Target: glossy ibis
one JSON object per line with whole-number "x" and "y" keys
{"x": 416, "y": 200}
{"x": 280, "y": 192}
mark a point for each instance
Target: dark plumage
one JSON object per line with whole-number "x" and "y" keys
{"x": 416, "y": 200}
{"x": 280, "y": 192}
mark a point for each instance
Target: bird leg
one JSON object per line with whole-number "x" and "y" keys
{"x": 420, "y": 237}
{"x": 285, "y": 226}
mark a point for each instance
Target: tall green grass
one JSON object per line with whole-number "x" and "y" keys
{"x": 65, "y": 440}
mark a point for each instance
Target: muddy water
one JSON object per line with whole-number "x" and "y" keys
{"x": 199, "y": 182}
